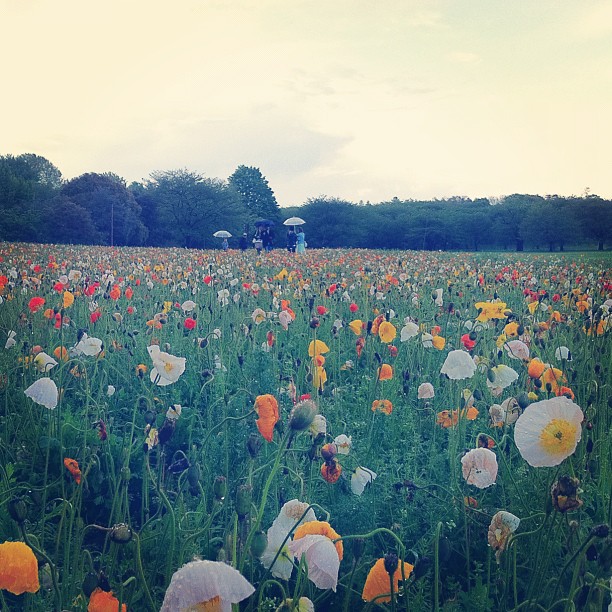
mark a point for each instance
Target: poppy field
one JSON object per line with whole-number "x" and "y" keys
{"x": 341, "y": 430}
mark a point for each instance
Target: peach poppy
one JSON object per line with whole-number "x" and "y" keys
{"x": 502, "y": 526}
{"x": 320, "y": 528}
{"x": 72, "y": 465}
{"x": 266, "y": 407}
{"x": 447, "y": 418}
{"x": 61, "y": 353}
{"x": 479, "y": 467}
{"x": 356, "y": 326}
{"x": 18, "y": 568}
{"x": 104, "y": 601}
{"x": 385, "y": 372}
{"x": 382, "y": 405}
{"x": 378, "y": 581}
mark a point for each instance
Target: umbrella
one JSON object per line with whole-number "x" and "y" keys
{"x": 222, "y": 234}
{"x": 264, "y": 223}
{"x": 294, "y": 221}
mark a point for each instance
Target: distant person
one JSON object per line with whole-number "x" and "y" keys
{"x": 225, "y": 244}
{"x": 258, "y": 242}
{"x": 243, "y": 242}
{"x": 301, "y": 242}
{"x": 266, "y": 238}
{"x": 291, "y": 240}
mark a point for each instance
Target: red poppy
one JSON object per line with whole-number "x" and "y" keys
{"x": 321, "y": 310}
{"x": 35, "y": 304}
{"x": 468, "y": 342}
{"x": 353, "y": 307}
{"x": 59, "y": 287}
{"x": 270, "y": 339}
{"x": 189, "y": 323}
{"x": 392, "y": 350}
{"x": 332, "y": 288}
{"x": 130, "y": 309}
{"x": 3, "y": 280}
{"x": 115, "y": 293}
{"x": 129, "y": 293}
{"x": 94, "y": 316}
{"x": 207, "y": 279}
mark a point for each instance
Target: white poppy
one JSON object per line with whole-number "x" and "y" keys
{"x": 88, "y": 346}
{"x": 563, "y": 354}
{"x": 425, "y": 391}
{"x": 321, "y": 558}
{"x": 11, "y": 342}
{"x": 360, "y": 478}
{"x": 44, "y": 392}
{"x": 458, "y": 365}
{"x": 110, "y": 390}
{"x": 168, "y": 367}
{"x": 548, "y": 431}
{"x": 343, "y": 443}
{"x": 199, "y": 582}
{"x": 44, "y": 362}
{"x": 188, "y": 306}
{"x": 410, "y": 330}
{"x": 516, "y": 349}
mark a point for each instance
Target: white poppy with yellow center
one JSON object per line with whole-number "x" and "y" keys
{"x": 548, "y": 431}
{"x": 167, "y": 368}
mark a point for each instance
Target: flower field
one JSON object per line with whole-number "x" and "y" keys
{"x": 342, "y": 430}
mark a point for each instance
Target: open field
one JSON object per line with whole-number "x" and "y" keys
{"x": 304, "y": 423}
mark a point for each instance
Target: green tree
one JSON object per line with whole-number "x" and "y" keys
{"x": 186, "y": 208}
{"x": 111, "y": 205}
{"x": 255, "y": 193}
{"x": 27, "y": 183}
{"x": 65, "y": 222}
{"x": 595, "y": 218}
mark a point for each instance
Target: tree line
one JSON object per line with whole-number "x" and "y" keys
{"x": 183, "y": 208}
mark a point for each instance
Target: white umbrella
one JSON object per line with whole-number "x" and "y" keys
{"x": 222, "y": 234}
{"x": 294, "y": 221}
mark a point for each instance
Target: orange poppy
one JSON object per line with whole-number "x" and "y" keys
{"x": 536, "y": 368}
{"x": 68, "y": 299}
{"x": 378, "y": 581}
{"x": 72, "y": 465}
{"x": 565, "y": 391}
{"x": 61, "y": 353}
{"x": 18, "y": 568}
{"x": 382, "y": 405}
{"x": 376, "y": 324}
{"x": 115, "y": 293}
{"x": 331, "y": 471}
{"x": 104, "y": 601}
{"x": 385, "y": 372}
{"x": 438, "y": 342}
{"x": 447, "y": 419}
{"x": 320, "y": 528}
{"x": 266, "y": 407}
{"x": 359, "y": 346}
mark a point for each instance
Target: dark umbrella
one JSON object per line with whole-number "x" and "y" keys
{"x": 264, "y": 223}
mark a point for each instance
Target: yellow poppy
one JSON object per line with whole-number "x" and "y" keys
{"x": 439, "y": 342}
{"x": 386, "y": 331}
{"x": 68, "y": 299}
{"x": 356, "y": 326}
{"x": 317, "y": 347}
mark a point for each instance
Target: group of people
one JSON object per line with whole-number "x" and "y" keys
{"x": 296, "y": 241}
{"x": 264, "y": 238}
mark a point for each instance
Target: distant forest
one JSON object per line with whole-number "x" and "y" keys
{"x": 183, "y": 208}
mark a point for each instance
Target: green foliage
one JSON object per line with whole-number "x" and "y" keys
{"x": 255, "y": 193}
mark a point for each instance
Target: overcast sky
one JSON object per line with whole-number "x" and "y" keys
{"x": 361, "y": 100}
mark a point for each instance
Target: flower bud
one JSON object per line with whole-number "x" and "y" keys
{"x": 254, "y": 445}
{"x": 18, "y": 510}
{"x": 391, "y": 562}
{"x": 259, "y": 544}
{"x": 193, "y": 475}
{"x": 244, "y": 496}
{"x": 302, "y": 415}
{"x": 220, "y": 488}
{"x": 90, "y": 583}
{"x": 600, "y": 531}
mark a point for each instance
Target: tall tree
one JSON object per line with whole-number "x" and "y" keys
{"x": 190, "y": 208}
{"x": 27, "y": 183}
{"x": 255, "y": 193}
{"x": 112, "y": 206}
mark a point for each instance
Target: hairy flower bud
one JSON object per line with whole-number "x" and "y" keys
{"x": 302, "y": 415}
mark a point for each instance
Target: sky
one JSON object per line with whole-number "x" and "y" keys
{"x": 351, "y": 99}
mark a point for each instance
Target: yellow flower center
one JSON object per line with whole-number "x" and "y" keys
{"x": 168, "y": 367}
{"x": 558, "y": 437}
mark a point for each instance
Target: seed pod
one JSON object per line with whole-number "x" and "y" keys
{"x": 254, "y": 445}
{"x": 391, "y": 563}
{"x": 193, "y": 475}
{"x": 121, "y": 533}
